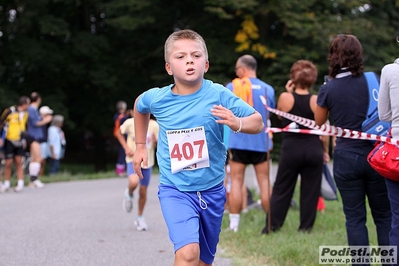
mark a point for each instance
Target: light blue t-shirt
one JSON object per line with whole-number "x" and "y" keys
{"x": 176, "y": 112}
{"x": 226, "y": 134}
{"x": 54, "y": 140}
{"x": 255, "y": 142}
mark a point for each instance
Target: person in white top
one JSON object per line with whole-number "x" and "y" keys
{"x": 388, "y": 110}
{"x": 133, "y": 179}
{"x": 56, "y": 143}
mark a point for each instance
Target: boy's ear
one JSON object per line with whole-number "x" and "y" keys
{"x": 206, "y": 66}
{"x": 168, "y": 69}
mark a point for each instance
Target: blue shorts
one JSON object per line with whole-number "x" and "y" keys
{"x": 146, "y": 174}
{"x": 194, "y": 217}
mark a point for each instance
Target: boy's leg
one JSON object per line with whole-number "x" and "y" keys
{"x": 140, "y": 222}
{"x": 188, "y": 255}
{"x": 20, "y": 173}
{"x": 262, "y": 175}
{"x": 143, "y": 189}
{"x": 237, "y": 170}
{"x": 7, "y": 169}
{"x": 133, "y": 181}
{"x": 197, "y": 226}
{"x": 35, "y": 162}
{"x": 9, "y": 152}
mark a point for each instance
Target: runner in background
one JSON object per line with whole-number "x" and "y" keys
{"x": 13, "y": 120}
{"x": 35, "y": 135}
{"x": 245, "y": 148}
{"x": 127, "y": 128}
{"x": 120, "y": 117}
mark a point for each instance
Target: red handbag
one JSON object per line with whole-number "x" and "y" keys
{"x": 384, "y": 158}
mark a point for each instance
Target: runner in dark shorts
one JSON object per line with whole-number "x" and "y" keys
{"x": 248, "y": 157}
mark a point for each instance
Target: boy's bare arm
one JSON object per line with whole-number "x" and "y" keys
{"x": 252, "y": 124}
{"x": 122, "y": 141}
{"x": 141, "y": 122}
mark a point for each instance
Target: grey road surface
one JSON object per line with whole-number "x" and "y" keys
{"x": 81, "y": 223}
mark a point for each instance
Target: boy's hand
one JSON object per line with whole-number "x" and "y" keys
{"x": 129, "y": 152}
{"x": 140, "y": 156}
{"x": 226, "y": 117}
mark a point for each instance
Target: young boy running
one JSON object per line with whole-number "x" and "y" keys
{"x": 191, "y": 154}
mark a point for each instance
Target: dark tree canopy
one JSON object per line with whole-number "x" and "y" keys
{"x": 85, "y": 55}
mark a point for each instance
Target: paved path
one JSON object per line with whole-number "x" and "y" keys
{"x": 82, "y": 223}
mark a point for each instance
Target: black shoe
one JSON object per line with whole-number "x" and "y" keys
{"x": 307, "y": 230}
{"x": 273, "y": 229}
{"x": 264, "y": 231}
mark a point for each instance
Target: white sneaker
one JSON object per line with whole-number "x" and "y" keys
{"x": 127, "y": 203}
{"x": 36, "y": 184}
{"x": 140, "y": 224}
{"x": 18, "y": 188}
{"x": 232, "y": 229}
{"x": 3, "y": 188}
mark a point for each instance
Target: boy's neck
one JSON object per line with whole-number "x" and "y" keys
{"x": 180, "y": 89}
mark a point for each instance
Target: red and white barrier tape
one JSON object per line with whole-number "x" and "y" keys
{"x": 327, "y": 130}
{"x": 293, "y": 129}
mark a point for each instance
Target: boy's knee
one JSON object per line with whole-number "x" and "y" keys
{"x": 188, "y": 254}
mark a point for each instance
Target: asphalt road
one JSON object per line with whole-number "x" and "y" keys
{"x": 82, "y": 223}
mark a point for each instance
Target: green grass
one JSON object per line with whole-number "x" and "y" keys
{"x": 286, "y": 247}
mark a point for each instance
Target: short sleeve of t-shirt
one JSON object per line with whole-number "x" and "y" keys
{"x": 322, "y": 97}
{"x": 127, "y": 126}
{"x": 144, "y": 103}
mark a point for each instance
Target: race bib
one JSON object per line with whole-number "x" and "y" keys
{"x": 188, "y": 149}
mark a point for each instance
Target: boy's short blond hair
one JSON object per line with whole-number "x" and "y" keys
{"x": 180, "y": 35}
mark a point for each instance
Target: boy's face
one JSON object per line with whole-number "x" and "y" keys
{"x": 187, "y": 62}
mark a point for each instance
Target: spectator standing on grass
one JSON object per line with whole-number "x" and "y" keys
{"x": 302, "y": 154}
{"x": 45, "y": 112}
{"x": 191, "y": 154}
{"x": 56, "y": 143}
{"x": 120, "y": 117}
{"x": 13, "y": 120}
{"x": 345, "y": 99}
{"x": 35, "y": 136}
{"x": 249, "y": 149}
{"x": 388, "y": 110}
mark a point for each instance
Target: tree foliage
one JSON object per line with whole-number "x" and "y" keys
{"x": 85, "y": 55}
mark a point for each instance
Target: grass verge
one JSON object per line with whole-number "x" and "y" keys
{"x": 286, "y": 247}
